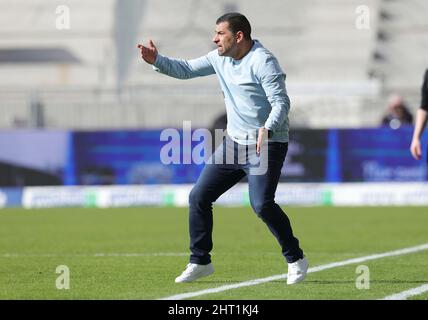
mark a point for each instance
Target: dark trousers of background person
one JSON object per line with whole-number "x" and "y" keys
{"x": 216, "y": 179}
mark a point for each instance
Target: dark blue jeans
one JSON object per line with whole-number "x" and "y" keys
{"x": 216, "y": 179}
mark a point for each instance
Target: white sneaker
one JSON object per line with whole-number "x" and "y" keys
{"x": 297, "y": 271}
{"x": 195, "y": 271}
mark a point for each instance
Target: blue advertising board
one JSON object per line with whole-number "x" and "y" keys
{"x": 335, "y": 155}
{"x": 127, "y": 157}
{"x": 375, "y": 155}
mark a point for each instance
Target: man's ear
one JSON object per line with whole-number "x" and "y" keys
{"x": 239, "y": 36}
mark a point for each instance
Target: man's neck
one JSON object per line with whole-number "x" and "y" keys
{"x": 244, "y": 50}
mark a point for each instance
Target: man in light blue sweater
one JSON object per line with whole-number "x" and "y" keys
{"x": 257, "y": 108}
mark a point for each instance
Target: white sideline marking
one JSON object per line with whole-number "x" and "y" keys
{"x": 408, "y": 293}
{"x": 310, "y": 270}
{"x": 49, "y": 255}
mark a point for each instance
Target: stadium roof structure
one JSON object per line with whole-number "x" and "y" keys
{"x": 38, "y": 55}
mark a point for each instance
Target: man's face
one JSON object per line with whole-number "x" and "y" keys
{"x": 224, "y": 39}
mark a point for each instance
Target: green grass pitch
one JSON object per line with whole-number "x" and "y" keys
{"x": 136, "y": 253}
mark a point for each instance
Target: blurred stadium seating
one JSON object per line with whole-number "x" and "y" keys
{"x": 337, "y": 75}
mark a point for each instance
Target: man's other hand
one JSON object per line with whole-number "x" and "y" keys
{"x": 262, "y": 136}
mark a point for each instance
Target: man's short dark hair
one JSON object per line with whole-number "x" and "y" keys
{"x": 237, "y": 22}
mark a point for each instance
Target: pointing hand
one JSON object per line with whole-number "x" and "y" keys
{"x": 149, "y": 53}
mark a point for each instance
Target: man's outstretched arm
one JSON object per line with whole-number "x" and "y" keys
{"x": 177, "y": 68}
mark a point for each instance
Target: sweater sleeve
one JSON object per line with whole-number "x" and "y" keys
{"x": 273, "y": 83}
{"x": 183, "y": 69}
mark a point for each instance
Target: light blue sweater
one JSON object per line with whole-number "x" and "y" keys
{"x": 253, "y": 87}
